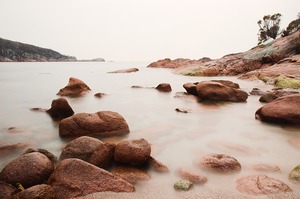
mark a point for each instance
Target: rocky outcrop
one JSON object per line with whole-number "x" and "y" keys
{"x": 215, "y": 91}
{"x": 20, "y": 52}
{"x": 280, "y": 57}
{"x": 60, "y": 109}
{"x": 73, "y": 178}
{"x": 220, "y": 163}
{"x": 282, "y": 110}
{"x": 133, "y": 152}
{"x": 164, "y": 87}
{"x": 28, "y": 170}
{"x": 75, "y": 88}
{"x": 102, "y": 123}
{"x": 128, "y": 70}
{"x": 90, "y": 150}
{"x": 261, "y": 184}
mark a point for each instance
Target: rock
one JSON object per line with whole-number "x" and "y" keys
{"x": 73, "y": 178}
{"x": 158, "y": 166}
{"x": 131, "y": 174}
{"x": 99, "y": 95}
{"x": 227, "y": 83}
{"x": 75, "y": 88}
{"x": 38, "y": 109}
{"x": 102, "y": 123}
{"x": 164, "y": 87}
{"x": 28, "y": 169}
{"x": 177, "y": 63}
{"x": 129, "y": 70}
{"x": 6, "y": 190}
{"x": 282, "y": 110}
{"x": 42, "y": 191}
{"x": 183, "y": 185}
{"x": 257, "y": 91}
{"x": 215, "y": 91}
{"x": 103, "y": 155}
{"x": 261, "y": 184}
{"x": 180, "y": 110}
{"x": 220, "y": 163}
{"x": 81, "y": 148}
{"x": 270, "y": 96}
{"x": 133, "y": 152}
{"x": 47, "y": 153}
{"x": 294, "y": 175}
{"x": 191, "y": 176}
{"x": 266, "y": 168}
{"x": 60, "y": 109}
{"x": 191, "y": 88}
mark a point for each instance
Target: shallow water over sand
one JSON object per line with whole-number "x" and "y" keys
{"x": 178, "y": 139}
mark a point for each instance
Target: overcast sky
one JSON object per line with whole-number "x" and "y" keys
{"x": 140, "y": 30}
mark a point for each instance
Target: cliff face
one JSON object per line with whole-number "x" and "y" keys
{"x": 20, "y": 52}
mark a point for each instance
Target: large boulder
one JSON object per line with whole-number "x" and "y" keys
{"x": 42, "y": 191}
{"x": 216, "y": 91}
{"x": 133, "y": 152}
{"x": 29, "y": 169}
{"x": 191, "y": 88}
{"x": 285, "y": 109}
{"x": 75, "y": 87}
{"x": 261, "y": 184}
{"x": 102, "y": 123}
{"x": 271, "y": 96}
{"x": 220, "y": 163}
{"x": 90, "y": 150}
{"x": 60, "y": 109}
{"x": 74, "y": 177}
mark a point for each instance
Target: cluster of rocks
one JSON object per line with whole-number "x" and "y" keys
{"x": 83, "y": 167}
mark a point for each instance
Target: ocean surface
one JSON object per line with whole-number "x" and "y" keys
{"x": 178, "y": 139}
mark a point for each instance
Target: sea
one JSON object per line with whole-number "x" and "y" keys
{"x": 177, "y": 139}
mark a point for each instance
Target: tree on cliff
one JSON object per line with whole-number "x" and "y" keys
{"x": 269, "y": 27}
{"x": 292, "y": 27}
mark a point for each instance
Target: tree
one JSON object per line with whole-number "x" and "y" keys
{"x": 269, "y": 27}
{"x": 292, "y": 27}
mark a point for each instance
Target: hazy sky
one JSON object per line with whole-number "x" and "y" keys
{"x": 140, "y": 30}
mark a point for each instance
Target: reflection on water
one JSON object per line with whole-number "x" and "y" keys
{"x": 178, "y": 139}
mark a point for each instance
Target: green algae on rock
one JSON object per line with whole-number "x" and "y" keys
{"x": 285, "y": 82}
{"x": 294, "y": 175}
{"x": 183, "y": 185}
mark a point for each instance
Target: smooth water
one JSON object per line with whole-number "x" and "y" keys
{"x": 178, "y": 139}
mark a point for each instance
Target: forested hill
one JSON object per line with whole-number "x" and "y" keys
{"x": 20, "y": 52}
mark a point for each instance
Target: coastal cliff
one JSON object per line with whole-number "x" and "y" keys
{"x": 11, "y": 51}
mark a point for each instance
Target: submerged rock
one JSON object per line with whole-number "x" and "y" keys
{"x": 164, "y": 87}
{"x": 191, "y": 176}
{"x": 102, "y": 123}
{"x": 220, "y": 163}
{"x": 183, "y": 185}
{"x": 294, "y": 175}
{"x": 261, "y": 184}
{"x": 129, "y": 70}
{"x": 282, "y": 110}
{"x": 60, "y": 109}
{"x": 75, "y": 88}
{"x": 29, "y": 169}
{"x": 74, "y": 177}
{"x": 99, "y": 95}
{"x": 158, "y": 166}
{"x": 131, "y": 174}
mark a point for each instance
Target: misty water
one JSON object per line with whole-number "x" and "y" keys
{"x": 178, "y": 139}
